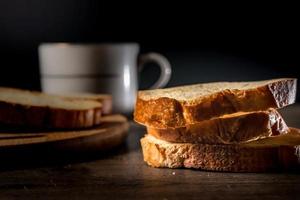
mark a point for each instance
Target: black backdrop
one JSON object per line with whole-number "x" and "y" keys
{"x": 202, "y": 43}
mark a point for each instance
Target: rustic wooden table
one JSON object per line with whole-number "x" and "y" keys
{"x": 122, "y": 174}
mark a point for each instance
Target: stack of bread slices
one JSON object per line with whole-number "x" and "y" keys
{"x": 34, "y": 109}
{"x": 222, "y": 126}
{"x": 56, "y": 118}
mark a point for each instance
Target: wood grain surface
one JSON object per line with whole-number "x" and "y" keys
{"x": 122, "y": 174}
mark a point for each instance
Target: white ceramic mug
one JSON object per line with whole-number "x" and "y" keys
{"x": 98, "y": 68}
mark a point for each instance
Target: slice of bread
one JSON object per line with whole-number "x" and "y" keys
{"x": 227, "y": 129}
{"x": 233, "y": 158}
{"x": 291, "y": 138}
{"x": 104, "y": 99}
{"x": 179, "y": 106}
{"x": 35, "y": 109}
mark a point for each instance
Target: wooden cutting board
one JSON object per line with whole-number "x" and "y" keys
{"x": 110, "y": 133}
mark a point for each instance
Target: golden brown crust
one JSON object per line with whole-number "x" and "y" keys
{"x": 159, "y": 112}
{"x": 232, "y": 129}
{"x": 58, "y": 116}
{"x": 232, "y": 158}
{"x": 171, "y": 113}
{"x": 46, "y": 117}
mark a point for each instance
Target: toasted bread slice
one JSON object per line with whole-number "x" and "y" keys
{"x": 35, "y": 109}
{"x": 104, "y": 99}
{"x": 232, "y": 158}
{"x": 291, "y": 138}
{"x": 227, "y": 129}
{"x": 179, "y": 106}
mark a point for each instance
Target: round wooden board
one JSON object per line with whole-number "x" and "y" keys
{"x": 110, "y": 133}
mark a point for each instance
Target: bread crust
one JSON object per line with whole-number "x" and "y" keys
{"x": 167, "y": 112}
{"x": 46, "y": 117}
{"x": 231, "y": 158}
{"x": 231, "y": 129}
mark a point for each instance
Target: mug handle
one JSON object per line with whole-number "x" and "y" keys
{"x": 162, "y": 62}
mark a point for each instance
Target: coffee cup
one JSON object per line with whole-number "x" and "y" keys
{"x": 98, "y": 68}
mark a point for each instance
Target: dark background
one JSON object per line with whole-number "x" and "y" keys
{"x": 203, "y": 43}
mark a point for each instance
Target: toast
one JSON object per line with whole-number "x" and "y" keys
{"x": 233, "y": 158}
{"x": 227, "y": 129}
{"x": 291, "y": 138}
{"x": 104, "y": 99}
{"x": 35, "y": 109}
{"x": 179, "y": 106}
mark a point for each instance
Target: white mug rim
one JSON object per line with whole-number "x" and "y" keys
{"x": 70, "y": 44}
